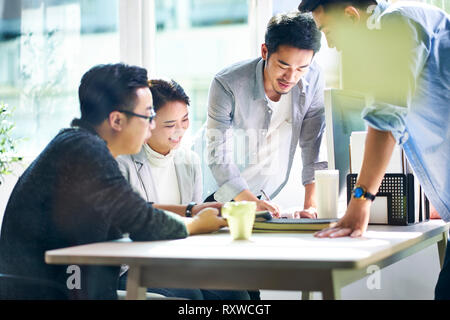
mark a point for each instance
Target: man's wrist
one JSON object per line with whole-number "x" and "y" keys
{"x": 246, "y": 195}
{"x": 360, "y": 204}
{"x": 191, "y": 226}
{"x": 360, "y": 193}
{"x": 309, "y": 203}
{"x": 310, "y": 209}
{"x": 188, "y": 225}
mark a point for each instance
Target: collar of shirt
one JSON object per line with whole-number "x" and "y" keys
{"x": 156, "y": 159}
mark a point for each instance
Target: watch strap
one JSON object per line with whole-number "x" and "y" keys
{"x": 365, "y": 195}
{"x": 189, "y": 207}
{"x": 369, "y": 196}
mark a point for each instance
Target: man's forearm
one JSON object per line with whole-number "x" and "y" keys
{"x": 377, "y": 154}
{"x": 246, "y": 195}
{"x": 310, "y": 194}
{"x": 178, "y": 209}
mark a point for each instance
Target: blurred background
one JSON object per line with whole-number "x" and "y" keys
{"x": 47, "y": 45}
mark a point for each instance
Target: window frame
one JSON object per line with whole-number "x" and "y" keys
{"x": 137, "y": 30}
{"x": 137, "y": 33}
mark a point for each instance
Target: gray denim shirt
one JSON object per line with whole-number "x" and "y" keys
{"x": 237, "y": 101}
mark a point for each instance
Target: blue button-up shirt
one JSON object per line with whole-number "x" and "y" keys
{"x": 421, "y": 125}
{"x": 237, "y": 103}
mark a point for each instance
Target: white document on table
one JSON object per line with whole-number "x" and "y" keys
{"x": 379, "y": 210}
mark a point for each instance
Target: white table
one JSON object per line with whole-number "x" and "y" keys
{"x": 275, "y": 261}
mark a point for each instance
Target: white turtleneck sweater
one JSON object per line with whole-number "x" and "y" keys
{"x": 269, "y": 164}
{"x": 164, "y": 176}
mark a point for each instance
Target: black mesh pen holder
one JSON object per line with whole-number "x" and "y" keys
{"x": 400, "y": 187}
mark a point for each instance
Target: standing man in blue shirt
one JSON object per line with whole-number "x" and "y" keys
{"x": 259, "y": 110}
{"x": 406, "y": 63}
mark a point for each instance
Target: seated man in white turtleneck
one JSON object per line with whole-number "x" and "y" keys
{"x": 164, "y": 173}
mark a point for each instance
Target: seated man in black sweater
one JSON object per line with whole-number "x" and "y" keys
{"x": 74, "y": 192}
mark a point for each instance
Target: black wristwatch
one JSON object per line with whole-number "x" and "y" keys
{"x": 189, "y": 209}
{"x": 360, "y": 193}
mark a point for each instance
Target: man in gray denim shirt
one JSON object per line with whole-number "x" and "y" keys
{"x": 259, "y": 110}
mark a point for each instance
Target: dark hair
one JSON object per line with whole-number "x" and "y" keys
{"x": 294, "y": 29}
{"x": 164, "y": 91}
{"x": 311, "y": 5}
{"x": 106, "y": 88}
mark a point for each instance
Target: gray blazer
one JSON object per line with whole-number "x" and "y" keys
{"x": 237, "y": 101}
{"x": 136, "y": 169}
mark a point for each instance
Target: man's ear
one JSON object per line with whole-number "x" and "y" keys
{"x": 264, "y": 51}
{"x": 116, "y": 120}
{"x": 352, "y": 13}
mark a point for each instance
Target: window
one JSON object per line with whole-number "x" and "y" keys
{"x": 443, "y": 4}
{"x": 195, "y": 39}
{"x": 199, "y": 13}
{"x": 45, "y": 48}
{"x": 47, "y": 45}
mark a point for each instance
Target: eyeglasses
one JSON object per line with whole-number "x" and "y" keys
{"x": 149, "y": 118}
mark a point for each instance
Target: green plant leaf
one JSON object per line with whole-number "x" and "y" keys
{"x": 7, "y": 143}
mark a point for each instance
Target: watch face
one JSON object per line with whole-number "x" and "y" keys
{"x": 358, "y": 192}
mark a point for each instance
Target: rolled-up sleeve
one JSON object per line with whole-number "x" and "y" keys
{"x": 311, "y": 134}
{"x": 398, "y": 76}
{"x": 220, "y": 143}
{"x": 387, "y": 117}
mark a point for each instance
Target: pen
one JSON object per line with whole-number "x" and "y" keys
{"x": 265, "y": 195}
{"x": 268, "y": 199}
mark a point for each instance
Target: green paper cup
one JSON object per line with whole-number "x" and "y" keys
{"x": 240, "y": 216}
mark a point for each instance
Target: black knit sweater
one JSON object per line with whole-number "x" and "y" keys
{"x": 73, "y": 194}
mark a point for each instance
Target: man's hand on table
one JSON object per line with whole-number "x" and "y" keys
{"x": 199, "y": 207}
{"x": 353, "y": 223}
{"x": 310, "y": 213}
{"x": 263, "y": 205}
{"x": 205, "y": 221}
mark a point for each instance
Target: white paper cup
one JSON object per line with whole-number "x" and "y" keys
{"x": 240, "y": 216}
{"x": 327, "y": 193}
